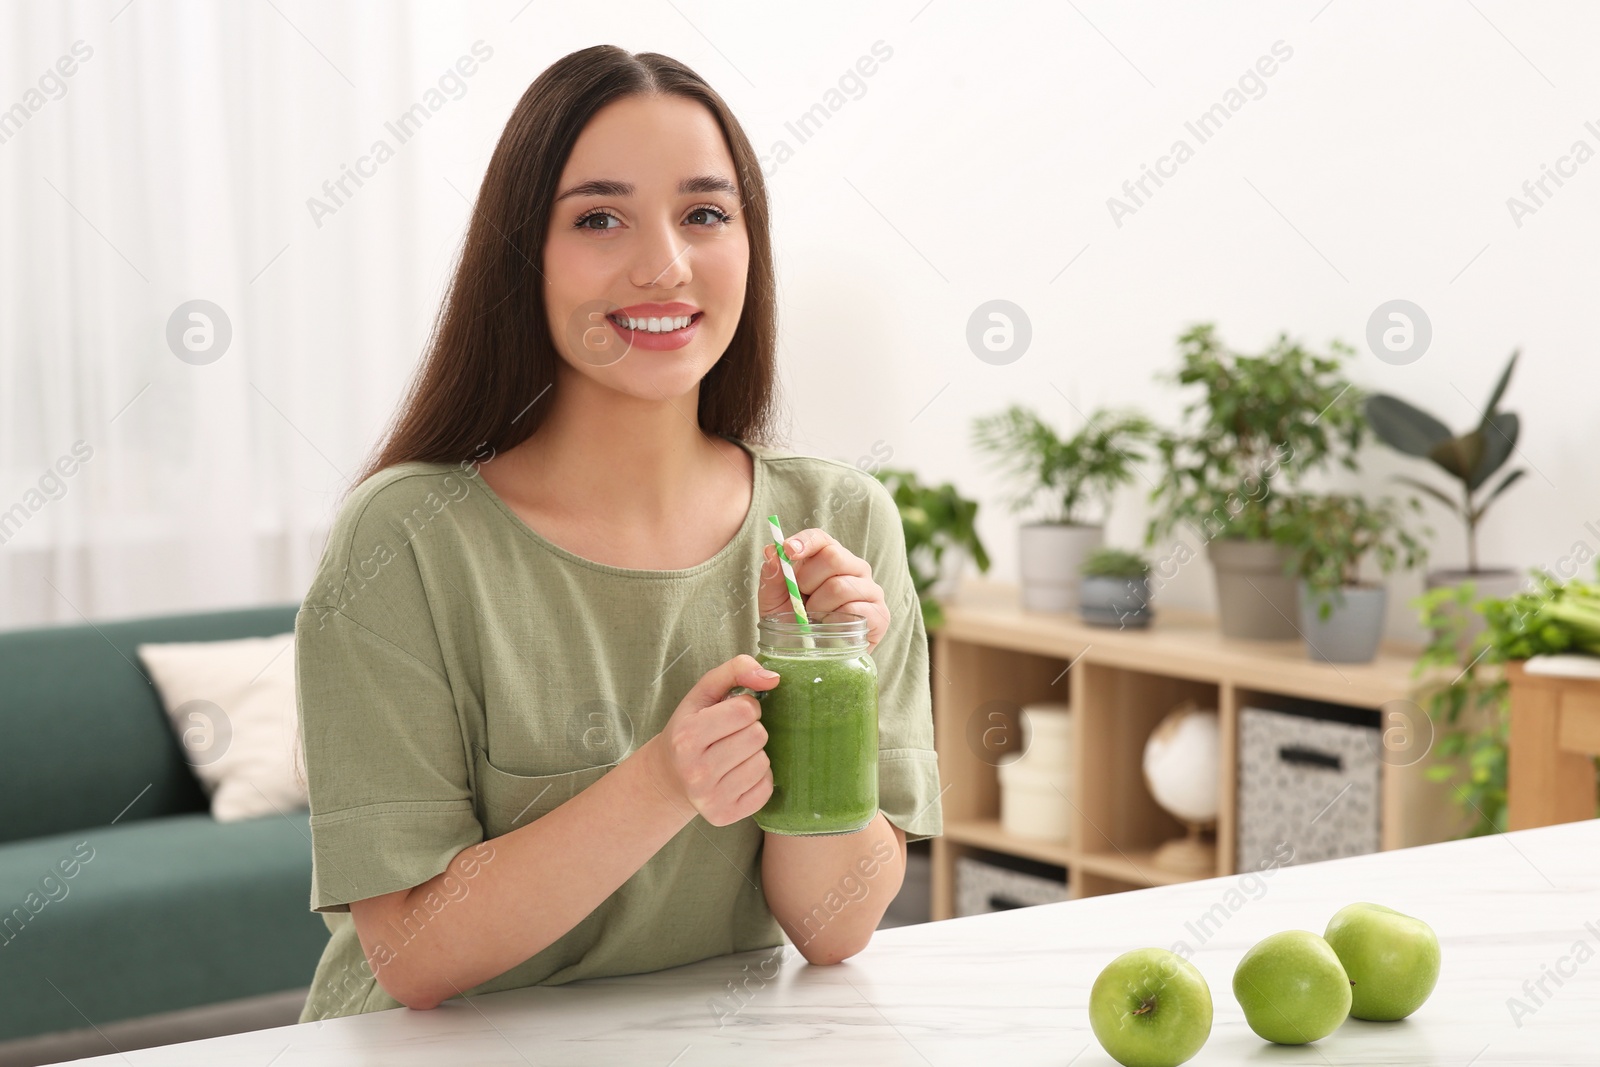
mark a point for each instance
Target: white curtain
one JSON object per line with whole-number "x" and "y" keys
{"x": 175, "y": 163}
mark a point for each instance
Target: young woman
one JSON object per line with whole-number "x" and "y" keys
{"x": 514, "y": 664}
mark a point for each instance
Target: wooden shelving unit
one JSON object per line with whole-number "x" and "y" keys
{"x": 992, "y": 655}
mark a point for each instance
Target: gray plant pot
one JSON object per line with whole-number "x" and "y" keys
{"x": 1255, "y": 599}
{"x": 1353, "y": 628}
{"x": 1049, "y": 556}
{"x": 1119, "y": 602}
{"x": 1497, "y": 582}
{"x": 951, "y": 568}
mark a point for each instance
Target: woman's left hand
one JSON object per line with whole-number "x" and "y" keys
{"x": 830, "y": 577}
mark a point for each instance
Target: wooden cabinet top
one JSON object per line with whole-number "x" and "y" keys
{"x": 1178, "y": 643}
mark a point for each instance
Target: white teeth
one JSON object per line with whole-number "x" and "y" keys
{"x": 654, "y": 325}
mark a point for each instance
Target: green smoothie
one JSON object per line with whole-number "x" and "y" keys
{"x": 822, "y": 740}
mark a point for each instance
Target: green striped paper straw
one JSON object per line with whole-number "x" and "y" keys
{"x": 788, "y": 577}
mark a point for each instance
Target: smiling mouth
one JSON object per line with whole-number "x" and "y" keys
{"x": 622, "y": 323}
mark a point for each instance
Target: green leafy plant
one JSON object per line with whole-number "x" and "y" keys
{"x": 1471, "y": 458}
{"x": 1579, "y": 614}
{"x": 1111, "y": 562}
{"x": 1072, "y": 474}
{"x": 1259, "y": 421}
{"x": 1329, "y": 534}
{"x": 1465, "y": 690}
{"x": 936, "y": 519}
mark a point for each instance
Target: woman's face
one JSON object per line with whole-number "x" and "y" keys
{"x": 647, "y": 224}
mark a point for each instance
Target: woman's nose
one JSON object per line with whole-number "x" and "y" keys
{"x": 663, "y": 259}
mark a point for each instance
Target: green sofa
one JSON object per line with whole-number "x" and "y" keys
{"x": 120, "y": 896}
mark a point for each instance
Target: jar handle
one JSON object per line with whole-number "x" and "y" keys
{"x": 742, "y": 690}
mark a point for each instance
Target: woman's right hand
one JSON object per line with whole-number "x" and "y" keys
{"x": 709, "y": 755}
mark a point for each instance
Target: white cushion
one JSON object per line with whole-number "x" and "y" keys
{"x": 232, "y": 706}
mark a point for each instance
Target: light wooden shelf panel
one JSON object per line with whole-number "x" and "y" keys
{"x": 1188, "y": 644}
{"x": 988, "y": 833}
{"x": 1136, "y": 868}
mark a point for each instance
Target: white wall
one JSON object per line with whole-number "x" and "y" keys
{"x": 1376, "y": 165}
{"x": 975, "y": 165}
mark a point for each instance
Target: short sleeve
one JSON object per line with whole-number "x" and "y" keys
{"x": 385, "y": 759}
{"x": 908, "y": 766}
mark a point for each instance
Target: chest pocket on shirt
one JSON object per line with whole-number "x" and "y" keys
{"x": 506, "y": 801}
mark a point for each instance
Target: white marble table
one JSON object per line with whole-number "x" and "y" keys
{"x": 1011, "y": 989}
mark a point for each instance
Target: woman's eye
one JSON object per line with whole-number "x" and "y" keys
{"x": 583, "y": 223}
{"x": 718, "y": 217}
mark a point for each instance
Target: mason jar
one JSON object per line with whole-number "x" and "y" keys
{"x": 822, "y": 724}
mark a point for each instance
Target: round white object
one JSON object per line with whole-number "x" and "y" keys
{"x": 1181, "y": 765}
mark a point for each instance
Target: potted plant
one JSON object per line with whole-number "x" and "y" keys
{"x": 1116, "y": 588}
{"x": 1260, "y": 423}
{"x": 1472, "y": 459}
{"x": 941, "y": 536}
{"x": 1328, "y": 536}
{"x": 1074, "y": 477}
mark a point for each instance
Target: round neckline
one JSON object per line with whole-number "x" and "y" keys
{"x": 746, "y": 531}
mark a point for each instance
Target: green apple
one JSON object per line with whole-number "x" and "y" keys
{"x": 1392, "y": 959}
{"x": 1292, "y": 988}
{"x": 1150, "y": 1008}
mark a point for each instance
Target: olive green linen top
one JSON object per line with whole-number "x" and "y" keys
{"x": 458, "y": 676}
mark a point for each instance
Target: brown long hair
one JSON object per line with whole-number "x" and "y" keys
{"x": 491, "y": 352}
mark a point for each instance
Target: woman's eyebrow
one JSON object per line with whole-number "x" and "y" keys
{"x": 702, "y": 183}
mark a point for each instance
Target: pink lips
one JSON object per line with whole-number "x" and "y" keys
{"x": 657, "y": 342}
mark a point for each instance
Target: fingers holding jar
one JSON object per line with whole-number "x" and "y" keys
{"x": 830, "y": 578}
